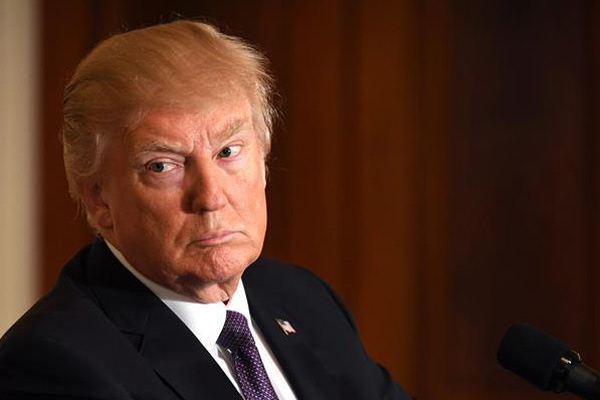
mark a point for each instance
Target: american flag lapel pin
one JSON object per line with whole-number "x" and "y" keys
{"x": 285, "y": 326}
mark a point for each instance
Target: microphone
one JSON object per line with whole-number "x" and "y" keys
{"x": 547, "y": 362}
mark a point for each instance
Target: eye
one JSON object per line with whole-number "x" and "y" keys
{"x": 160, "y": 166}
{"x": 230, "y": 151}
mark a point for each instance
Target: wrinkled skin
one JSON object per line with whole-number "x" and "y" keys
{"x": 182, "y": 196}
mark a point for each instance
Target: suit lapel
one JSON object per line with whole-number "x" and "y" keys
{"x": 182, "y": 361}
{"x": 175, "y": 353}
{"x": 303, "y": 369}
{"x": 160, "y": 336}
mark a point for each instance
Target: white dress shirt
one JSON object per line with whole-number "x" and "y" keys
{"x": 206, "y": 322}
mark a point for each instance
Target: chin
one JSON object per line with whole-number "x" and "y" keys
{"x": 221, "y": 264}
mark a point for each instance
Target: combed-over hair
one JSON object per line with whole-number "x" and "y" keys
{"x": 174, "y": 65}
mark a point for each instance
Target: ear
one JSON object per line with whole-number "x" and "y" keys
{"x": 96, "y": 206}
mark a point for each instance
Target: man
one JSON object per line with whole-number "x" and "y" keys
{"x": 166, "y": 131}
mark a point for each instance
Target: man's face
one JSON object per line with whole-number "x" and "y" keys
{"x": 183, "y": 197}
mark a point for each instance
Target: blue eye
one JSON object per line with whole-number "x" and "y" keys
{"x": 230, "y": 151}
{"x": 157, "y": 167}
{"x": 160, "y": 166}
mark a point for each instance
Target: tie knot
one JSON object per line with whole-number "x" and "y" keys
{"x": 235, "y": 334}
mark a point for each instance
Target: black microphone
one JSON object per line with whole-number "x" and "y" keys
{"x": 547, "y": 362}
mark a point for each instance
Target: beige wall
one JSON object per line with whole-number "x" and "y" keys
{"x": 18, "y": 116}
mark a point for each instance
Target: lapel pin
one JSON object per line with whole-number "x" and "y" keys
{"x": 285, "y": 326}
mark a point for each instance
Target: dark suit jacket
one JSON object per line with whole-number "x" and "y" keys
{"x": 101, "y": 334}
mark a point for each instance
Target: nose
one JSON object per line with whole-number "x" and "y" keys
{"x": 206, "y": 192}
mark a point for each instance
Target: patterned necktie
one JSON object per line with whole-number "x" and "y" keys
{"x": 251, "y": 374}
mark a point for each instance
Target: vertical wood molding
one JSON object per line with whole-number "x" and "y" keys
{"x": 18, "y": 158}
{"x": 593, "y": 149}
{"x": 387, "y": 184}
{"x": 435, "y": 116}
{"x": 274, "y": 32}
{"x": 314, "y": 136}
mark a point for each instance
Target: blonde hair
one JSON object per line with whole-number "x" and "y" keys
{"x": 169, "y": 65}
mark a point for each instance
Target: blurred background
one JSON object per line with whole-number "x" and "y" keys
{"x": 437, "y": 162}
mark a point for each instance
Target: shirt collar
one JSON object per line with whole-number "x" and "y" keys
{"x": 205, "y": 320}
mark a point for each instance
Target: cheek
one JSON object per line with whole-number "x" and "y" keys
{"x": 147, "y": 211}
{"x": 255, "y": 206}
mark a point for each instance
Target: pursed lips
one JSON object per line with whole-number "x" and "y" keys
{"x": 214, "y": 238}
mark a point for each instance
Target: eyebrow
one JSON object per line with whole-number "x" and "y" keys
{"x": 231, "y": 128}
{"x": 161, "y": 146}
{"x": 164, "y": 146}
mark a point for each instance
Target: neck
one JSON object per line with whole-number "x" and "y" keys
{"x": 208, "y": 293}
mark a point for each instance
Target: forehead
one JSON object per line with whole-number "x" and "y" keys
{"x": 212, "y": 120}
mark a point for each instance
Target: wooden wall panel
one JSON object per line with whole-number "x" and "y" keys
{"x": 274, "y": 32}
{"x": 436, "y": 163}
{"x": 387, "y": 184}
{"x": 593, "y": 168}
{"x": 313, "y": 133}
{"x": 433, "y": 317}
{"x": 519, "y": 194}
{"x": 69, "y": 29}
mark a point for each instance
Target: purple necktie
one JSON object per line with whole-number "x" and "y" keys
{"x": 251, "y": 374}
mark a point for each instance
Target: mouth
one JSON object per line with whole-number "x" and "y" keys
{"x": 214, "y": 238}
